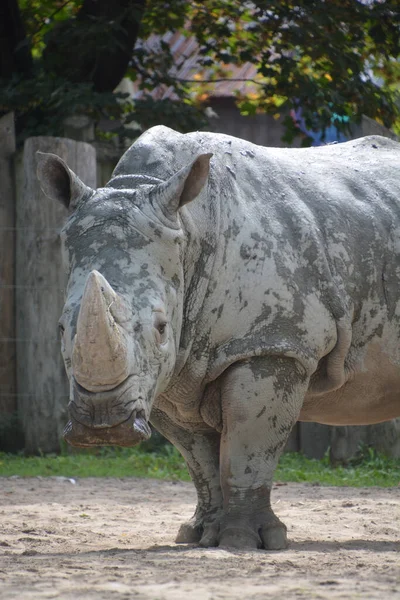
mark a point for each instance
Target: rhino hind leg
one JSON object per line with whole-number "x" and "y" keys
{"x": 261, "y": 401}
{"x": 201, "y": 453}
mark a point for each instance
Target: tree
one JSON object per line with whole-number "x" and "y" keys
{"x": 323, "y": 56}
{"x": 59, "y": 58}
{"x": 335, "y": 60}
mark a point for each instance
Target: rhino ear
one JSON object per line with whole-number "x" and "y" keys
{"x": 58, "y": 182}
{"x": 184, "y": 186}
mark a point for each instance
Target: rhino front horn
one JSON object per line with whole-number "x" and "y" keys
{"x": 100, "y": 354}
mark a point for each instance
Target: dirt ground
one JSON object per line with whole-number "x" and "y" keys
{"x": 112, "y": 539}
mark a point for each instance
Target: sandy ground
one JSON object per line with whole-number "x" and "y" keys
{"x": 112, "y": 539}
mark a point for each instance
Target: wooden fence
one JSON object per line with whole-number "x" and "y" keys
{"x": 33, "y": 385}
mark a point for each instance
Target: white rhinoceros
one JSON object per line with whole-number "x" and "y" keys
{"x": 224, "y": 301}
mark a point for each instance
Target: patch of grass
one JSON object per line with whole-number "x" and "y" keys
{"x": 105, "y": 462}
{"x": 370, "y": 469}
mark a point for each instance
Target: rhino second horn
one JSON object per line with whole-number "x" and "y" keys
{"x": 100, "y": 354}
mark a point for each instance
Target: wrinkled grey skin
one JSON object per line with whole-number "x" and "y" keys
{"x": 278, "y": 276}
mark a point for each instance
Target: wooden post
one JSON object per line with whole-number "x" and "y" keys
{"x": 345, "y": 443}
{"x": 314, "y": 439}
{"x": 42, "y": 383}
{"x": 8, "y": 402}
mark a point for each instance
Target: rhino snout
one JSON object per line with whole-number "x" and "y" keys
{"x": 129, "y": 433}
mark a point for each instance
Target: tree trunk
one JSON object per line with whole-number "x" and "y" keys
{"x": 15, "y": 55}
{"x": 97, "y": 46}
{"x": 42, "y": 382}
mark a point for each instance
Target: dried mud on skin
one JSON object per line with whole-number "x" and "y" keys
{"x": 112, "y": 539}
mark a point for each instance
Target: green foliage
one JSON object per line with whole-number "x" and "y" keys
{"x": 105, "y": 462}
{"x": 165, "y": 462}
{"x": 180, "y": 115}
{"x": 40, "y": 17}
{"x": 52, "y": 89}
{"x": 370, "y": 469}
{"x": 56, "y": 99}
{"x": 326, "y": 58}
{"x": 320, "y": 56}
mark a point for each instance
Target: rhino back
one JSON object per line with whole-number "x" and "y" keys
{"x": 293, "y": 241}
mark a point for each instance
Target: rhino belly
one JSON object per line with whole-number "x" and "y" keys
{"x": 371, "y": 394}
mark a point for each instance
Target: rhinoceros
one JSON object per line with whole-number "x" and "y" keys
{"x": 222, "y": 291}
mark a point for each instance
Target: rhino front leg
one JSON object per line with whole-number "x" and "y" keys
{"x": 201, "y": 453}
{"x": 261, "y": 401}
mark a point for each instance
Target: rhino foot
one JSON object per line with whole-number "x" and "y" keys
{"x": 269, "y": 535}
{"x": 199, "y": 530}
{"x": 245, "y": 537}
{"x": 274, "y": 538}
{"x": 189, "y": 533}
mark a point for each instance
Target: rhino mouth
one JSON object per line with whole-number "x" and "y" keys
{"x": 111, "y": 418}
{"x": 129, "y": 433}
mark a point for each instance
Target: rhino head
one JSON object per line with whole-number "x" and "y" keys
{"x": 123, "y": 248}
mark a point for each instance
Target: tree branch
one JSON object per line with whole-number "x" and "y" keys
{"x": 220, "y": 80}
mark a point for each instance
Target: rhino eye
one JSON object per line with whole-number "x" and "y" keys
{"x": 61, "y": 329}
{"x": 160, "y": 324}
{"x": 161, "y": 328}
